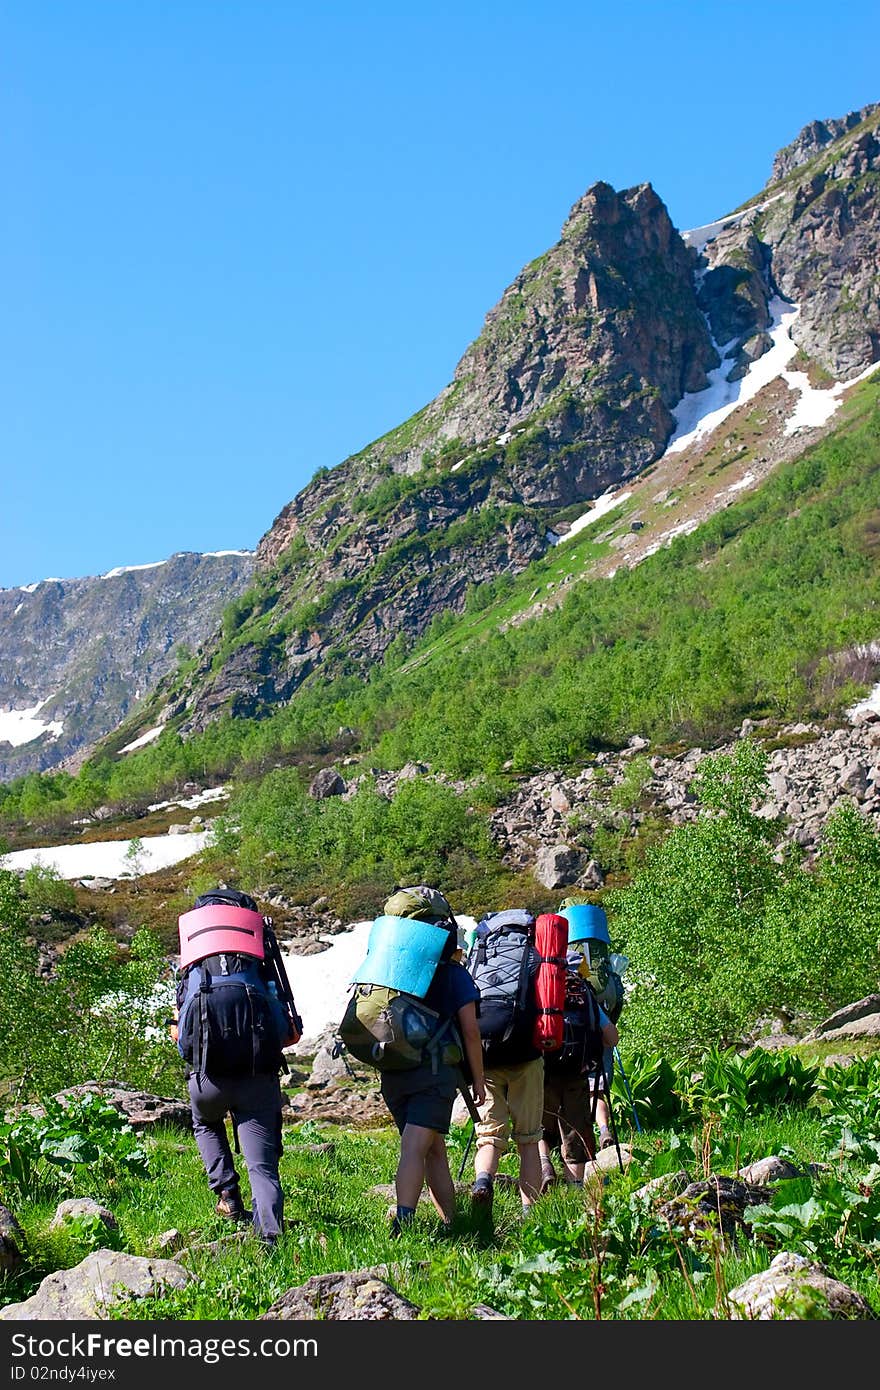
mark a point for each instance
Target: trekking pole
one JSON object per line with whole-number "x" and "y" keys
{"x": 466, "y": 1152}
{"x": 629, "y": 1093}
{"x": 276, "y": 960}
{"x": 475, "y": 1115}
{"x": 607, "y": 1080}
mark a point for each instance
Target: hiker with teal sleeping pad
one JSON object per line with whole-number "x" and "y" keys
{"x": 412, "y": 1015}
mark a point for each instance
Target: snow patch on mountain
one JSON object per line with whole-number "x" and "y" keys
{"x": 698, "y": 413}
{"x": 20, "y": 726}
{"x": 144, "y": 739}
{"x": 601, "y": 505}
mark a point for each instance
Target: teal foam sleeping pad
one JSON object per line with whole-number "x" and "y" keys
{"x": 402, "y": 953}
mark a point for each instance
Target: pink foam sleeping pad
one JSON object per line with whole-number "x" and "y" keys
{"x": 206, "y": 931}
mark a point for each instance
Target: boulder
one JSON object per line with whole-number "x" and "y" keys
{"x": 76, "y": 1207}
{"x": 328, "y": 782}
{"x": 140, "y": 1108}
{"x": 12, "y": 1243}
{"x": 356, "y": 1296}
{"x": 170, "y": 1241}
{"x": 663, "y": 1187}
{"x": 860, "y": 1019}
{"x": 88, "y": 1289}
{"x": 327, "y": 1069}
{"x": 558, "y": 866}
{"x": 770, "y": 1169}
{"x": 794, "y": 1289}
{"x": 715, "y": 1203}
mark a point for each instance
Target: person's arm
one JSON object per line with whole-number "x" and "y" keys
{"x": 470, "y": 1036}
{"x": 610, "y": 1035}
{"x": 172, "y": 1023}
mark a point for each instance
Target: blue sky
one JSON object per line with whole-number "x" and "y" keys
{"x": 241, "y": 239}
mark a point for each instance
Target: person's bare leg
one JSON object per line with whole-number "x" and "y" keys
{"x": 439, "y": 1179}
{"x": 415, "y": 1142}
{"x": 529, "y": 1173}
{"x": 486, "y": 1160}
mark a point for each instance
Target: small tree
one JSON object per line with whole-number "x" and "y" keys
{"x": 135, "y": 857}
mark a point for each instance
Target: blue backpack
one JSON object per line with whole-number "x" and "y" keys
{"x": 231, "y": 1021}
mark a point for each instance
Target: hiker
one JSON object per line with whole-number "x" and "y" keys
{"x": 569, "y": 1097}
{"x": 588, "y": 934}
{"x": 422, "y": 969}
{"x": 234, "y": 1015}
{"x": 504, "y": 963}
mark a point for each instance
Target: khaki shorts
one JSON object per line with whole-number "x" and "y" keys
{"x": 514, "y": 1105}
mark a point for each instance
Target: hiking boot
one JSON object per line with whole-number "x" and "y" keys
{"x": 548, "y": 1178}
{"x": 230, "y": 1205}
{"x": 482, "y": 1193}
{"x": 606, "y": 1138}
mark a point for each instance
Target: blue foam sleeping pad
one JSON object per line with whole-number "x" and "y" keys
{"x": 586, "y": 922}
{"x": 402, "y": 953}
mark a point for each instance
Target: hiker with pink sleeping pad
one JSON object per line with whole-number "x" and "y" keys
{"x": 235, "y": 1015}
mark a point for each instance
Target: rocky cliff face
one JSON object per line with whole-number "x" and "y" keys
{"x": 570, "y": 389}
{"x": 77, "y": 655}
{"x": 814, "y": 138}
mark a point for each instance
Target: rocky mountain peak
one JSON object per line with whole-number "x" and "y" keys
{"x": 814, "y": 137}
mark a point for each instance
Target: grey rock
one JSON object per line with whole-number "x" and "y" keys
{"x": 171, "y": 1241}
{"x": 715, "y": 1203}
{"x": 327, "y": 1069}
{"x": 141, "y": 1108}
{"x": 328, "y": 782}
{"x": 94, "y": 1285}
{"x": 558, "y": 866}
{"x": 838, "y": 1059}
{"x": 770, "y": 1169}
{"x": 860, "y": 1019}
{"x": 663, "y": 1187}
{"x": 82, "y": 1206}
{"x": 12, "y": 1242}
{"x": 593, "y": 875}
{"x": 357, "y": 1296}
{"x": 794, "y": 1289}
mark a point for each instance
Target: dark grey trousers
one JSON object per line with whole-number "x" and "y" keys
{"x": 254, "y": 1102}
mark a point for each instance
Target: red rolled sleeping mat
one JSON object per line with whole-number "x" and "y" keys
{"x": 551, "y": 943}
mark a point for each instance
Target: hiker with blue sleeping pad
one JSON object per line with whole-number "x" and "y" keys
{"x": 412, "y": 1015}
{"x": 235, "y": 1015}
{"x": 588, "y": 934}
{"x": 504, "y": 964}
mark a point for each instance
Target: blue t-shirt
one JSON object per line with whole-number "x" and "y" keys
{"x": 451, "y": 988}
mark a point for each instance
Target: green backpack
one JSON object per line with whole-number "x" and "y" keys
{"x": 393, "y": 1031}
{"x": 390, "y": 1029}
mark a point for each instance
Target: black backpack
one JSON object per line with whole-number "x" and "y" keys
{"x": 582, "y": 1048}
{"x": 503, "y": 964}
{"x": 231, "y": 1022}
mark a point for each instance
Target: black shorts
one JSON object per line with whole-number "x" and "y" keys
{"x": 421, "y": 1097}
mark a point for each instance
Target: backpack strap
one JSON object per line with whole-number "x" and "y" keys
{"x": 200, "y": 1038}
{"x": 435, "y": 1046}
